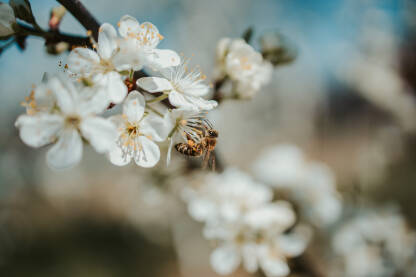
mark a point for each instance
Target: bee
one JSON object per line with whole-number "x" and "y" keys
{"x": 206, "y": 145}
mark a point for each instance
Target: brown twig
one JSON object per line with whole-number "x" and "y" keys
{"x": 80, "y": 12}
{"x": 218, "y": 95}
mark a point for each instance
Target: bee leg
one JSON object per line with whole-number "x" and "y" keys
{"x": 205, "y": 159}
{"x": 213, "y": 162}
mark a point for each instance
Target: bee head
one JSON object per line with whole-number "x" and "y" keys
{"x": 213, "y": 133}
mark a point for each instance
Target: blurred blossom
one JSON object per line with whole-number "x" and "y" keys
{"x": 310, "y": 185}
{"x": 243, "y": 65}
{"x": 375, "y": 243}
{"x": 248, "y": 227}
{"x": 225, "y": 196}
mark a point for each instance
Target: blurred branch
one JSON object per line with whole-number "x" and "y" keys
{"x": 307, "y": 264}
{"x": 78, "y": 10}
{"x": 218, "y": 96}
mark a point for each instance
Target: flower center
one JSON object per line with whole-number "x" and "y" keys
{"x": 73, "y": 120}
{"x": 244, "y": 63}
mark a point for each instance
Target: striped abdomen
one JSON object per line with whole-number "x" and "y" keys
{"x": 186, "y": 149}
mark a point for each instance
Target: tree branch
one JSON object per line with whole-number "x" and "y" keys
{"x": 55, "y": 37}
{"x": 78, "y": 10}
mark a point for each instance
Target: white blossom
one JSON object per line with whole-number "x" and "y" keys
{"x": 139, "y": 43}
{"x": 237, "y": 193}
{"x": 311, "y": 185}
{"x": 267, "y": 249}
{"x": 73, "y": 118}
{"x": 101, "y": 68}
{"x": 375, "y": 244}
{"x": 137, "y": 134}
{"x": 41, "y": 98}
{"x": 244, "y": 65}
{"x": 7, "y": 19}
{"x": 249, "y": 229}
{"x": 185, "y": 87}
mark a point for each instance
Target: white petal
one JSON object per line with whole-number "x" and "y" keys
{"x": 156, "y": 127}
{"x": 65, "y": 93}
{"x": 134, "y": 106}
{"x": 274, "y": 267}
{"x": 150, "y": 154}
{"x": 67, "y": 151}
{"x": 92, "y": 100}
{"x": 291, "y": 245}
{"x": 117, "y": 120}
{"x": 6, "y": 20}
{"x": 128, "y": 24}
{"x": 197, "y": 89}
{"x": 162, "y": 58}
{"x": 278, "y": 214}
{"x": 222, "y": 48}
{"x": 107, "y": 41}
{"x": 201, "y": 209}
{"x": 225, "y": 259}
{"x": 250, "y": 260}
{"x": 116, "y": 157}
{"x": 40, "y": 129}
{"x": 201, "y": 104}
{"x": 191, "y": 103}
{"x": 149, "y": 35}
{"x": 82, "y": 60}
{"x": 294, "y": 243}
{"x": 128, "y": 57}
{"x": 44, "y": 97}
{"x": 178, "y": 100}
{"x": 154, "y": 84}
{"x": 116, "y": 89}
{"x": 101, "y": 133}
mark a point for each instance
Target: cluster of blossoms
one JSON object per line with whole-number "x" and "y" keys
{"x": 310, "y": 185}
{"x": 376, "y": 244}
{"x": 249, "y": 228}
{"x": 241, "y": 65}
{"x": 66, "y": 108}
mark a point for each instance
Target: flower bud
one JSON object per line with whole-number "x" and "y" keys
{"x": 56, "y": 16}
{"x": 57, "y": 48}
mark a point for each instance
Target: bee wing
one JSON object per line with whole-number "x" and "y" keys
{"x": 208, "y": 124}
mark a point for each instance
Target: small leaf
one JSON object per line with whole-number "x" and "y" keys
{"x": 45, "y": 77}
{"x": 23, "y": 10}
{"x": 7, "y": 20}
{"x": 248, "y": 34}
{"x": 21, "y": 42}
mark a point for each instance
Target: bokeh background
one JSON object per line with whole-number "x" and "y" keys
{"x": 347, "y": 100}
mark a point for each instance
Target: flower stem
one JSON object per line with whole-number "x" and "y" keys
{"x": 159, "y": 98}
{"x": 154, "y": 110}
{"x": 131, "y": 75}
